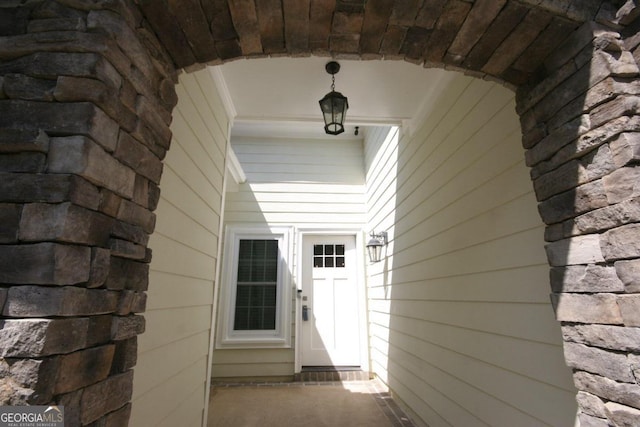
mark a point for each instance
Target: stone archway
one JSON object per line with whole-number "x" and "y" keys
{"x": 85, "y": 106}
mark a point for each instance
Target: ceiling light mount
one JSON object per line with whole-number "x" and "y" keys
{"x": 334, "y": 105}
{"x": 332, "y": 67}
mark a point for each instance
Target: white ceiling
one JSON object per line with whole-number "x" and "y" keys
{"x": 279, "y": 96}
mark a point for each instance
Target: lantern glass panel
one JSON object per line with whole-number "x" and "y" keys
{"x": 334, "y": 107}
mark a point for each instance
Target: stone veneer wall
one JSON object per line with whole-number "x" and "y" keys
{"x": 580, "y": 129}
{"x": 86, "y": 94}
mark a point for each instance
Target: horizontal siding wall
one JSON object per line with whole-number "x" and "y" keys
{"x": 307, "y": 183}
{"x": 461, "y": 325}
{"x": 170, "y": 376}
{"x": 304, "y": 183}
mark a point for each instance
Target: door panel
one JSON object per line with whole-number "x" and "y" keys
{"x": 331, "y": 335}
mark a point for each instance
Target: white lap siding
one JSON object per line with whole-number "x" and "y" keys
{"x": 170, "y": 376}
{"x": 301, "y": 183}
{"x": 461, "y": 325}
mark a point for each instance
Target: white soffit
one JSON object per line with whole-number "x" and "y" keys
{"x": 285, "y": 92}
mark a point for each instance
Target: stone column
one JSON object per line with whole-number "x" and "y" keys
{"x": 86, "y": 93}
{"x": 581, "y": 130}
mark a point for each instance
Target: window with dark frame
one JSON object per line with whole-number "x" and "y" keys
{"x": 257, "y": 281}
{"x": 328, "y": 256}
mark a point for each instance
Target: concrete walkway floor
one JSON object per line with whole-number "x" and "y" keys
{"x": 318, "y": 404}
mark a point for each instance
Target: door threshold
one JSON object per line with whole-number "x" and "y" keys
{"x": 332, "y": 374}
{"x": 330, "y": 368}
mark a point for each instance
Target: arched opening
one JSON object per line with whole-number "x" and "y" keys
{"x": 575, "y": 79}
{"x": 463, "y": 288}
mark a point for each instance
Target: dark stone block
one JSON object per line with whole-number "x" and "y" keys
{"x": 48, "y": 188}
{"x": 71, "y": 403}
{"x": 100, "y": 263}
{"x": 77, "y": 89}
{"x": 3, "y": 297}
{"x": 563, "y": 136}
{"x": 131, "y": 302}
{"x": 595, "y": 164}
{"x": 135, "y": 214}
{"x": 126, "y": 355}
{"x": 139, "y": 303}
{"x": 125, "y": 249}
{"x": 64, "y": 222}
{"x": 19, "y": 141}
{"x": 61, "y": 119}
{"x": 39, "y": 301}
{"x": 42, "y": 25}
{"x": 44, "y": 263}
{"x": 99, "y": 330}
{"x": 141, "y": 191}
{"x": 132, "y": 233}
{"x": 83, "y": 368}
{"x": 51, "y": 9}
{"x": 125, "y": 327}
{"x": 53, "y": 64}
{"x": 117, "y": 418}
{"x": 138, "y": 157}
{"x": 128, "y": 41}
{"x": 82, "y": 156}
{"x": 572, "y": 203}
{"x": 168, "y": 88}
{"x": 148, "y": 255}
{"x": 19, "y": 86}
{"x": 109, "y": 203}
{"x": 154, "y": 197}
{"x": 13, "y": 20}
{"x": 23, "y": 162}
{"x": 124, "y": 303}
{"x": 83, "y": 193}
{"x": 128, "y": 95}
{"x": 128, "y": 274}
{"x": 9, "y": 222}
{"x": 93, "y": 403}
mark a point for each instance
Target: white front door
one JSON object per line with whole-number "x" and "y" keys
{"x": 330, "y": 313}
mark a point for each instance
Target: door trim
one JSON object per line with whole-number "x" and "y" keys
{"x": 361, "y": 287}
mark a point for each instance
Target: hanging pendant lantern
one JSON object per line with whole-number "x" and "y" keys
{"x": 334, "y": 105}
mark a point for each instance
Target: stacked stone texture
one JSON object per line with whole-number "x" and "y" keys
{"x": 86, "y": 93}
{"x": 581, "y": 129}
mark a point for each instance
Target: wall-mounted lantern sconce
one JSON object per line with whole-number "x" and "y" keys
{"x": 375, "y": 244}
{"x": 334, "y": 105}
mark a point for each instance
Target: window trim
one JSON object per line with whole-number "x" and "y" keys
{"x": 280, "y": 337}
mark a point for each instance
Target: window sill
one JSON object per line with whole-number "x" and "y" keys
{"x": 245, "y": 343}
